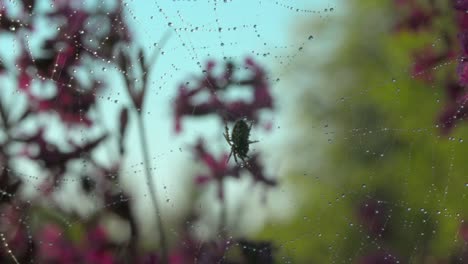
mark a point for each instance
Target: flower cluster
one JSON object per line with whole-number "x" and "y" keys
{"x": 417, "y": 17}
{"x": 219, "y": 168}
{"x": 214, "y": 85}
{"x": 95, "y": 247}
{"x": 75, "y": 41}
{"x": 374, "y": 217}
{"x": 76, "y": 45}
{"x": 421, "y": 18}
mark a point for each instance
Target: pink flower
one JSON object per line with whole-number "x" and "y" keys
{"x": 54, "y": 248}
{"x": 418, "y": 19}
{"x": 463, "y": 231}
{"x": 461, "y": 5}
{"x": 184, "y": 106}
{"x": 462, "y": 71}
{"x": 218, "y": 168}
{"x": 456, "y": 108}
{"x": 14, "y": 230}
{"x": 213, "y": 85}
{"x": 71, "y": 104}
{"x": 380, "y": 257}
{"x": 373, "y": 215}
{"x": 51, "y": 157}
{"x": 257, "y": 171}
{"x": 425, "y": 61}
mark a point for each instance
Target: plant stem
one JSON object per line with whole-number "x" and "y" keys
{"x": 223, "y": 212}
{"x": 152, "y": 187}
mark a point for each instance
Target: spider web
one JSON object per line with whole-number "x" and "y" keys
{"x": 305, "y": 133}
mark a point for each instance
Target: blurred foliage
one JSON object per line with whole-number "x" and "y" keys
{"x": 386, "y": 145}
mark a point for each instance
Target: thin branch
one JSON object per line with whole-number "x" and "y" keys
{"x": 152, "y": 188}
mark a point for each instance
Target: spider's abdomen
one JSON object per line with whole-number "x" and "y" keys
{"x": 240, "y": 138}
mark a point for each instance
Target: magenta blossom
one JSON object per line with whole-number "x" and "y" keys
{"x": 14, "y": 232}
{"x": 463, "y": 231}
{"x": 214, "y": 85}
{"x": 75, "y": 42}
{"x": 257, "y": 172}
{"x": 51, "y": 157}
{"x": 380, "y": 257}
{"x": 418, "y": 17}
{"x": 455, "y": 110}
{"x": 218, "y": 168}
{"x": 462, "y": 69}
{"x": 57, "y": 248}
{"x": 461, "y": 5}
{"x": 373, "y": 216}
{"x": 425, "y": 61}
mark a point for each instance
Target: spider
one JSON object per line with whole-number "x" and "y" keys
{"x": 239, "y": 140}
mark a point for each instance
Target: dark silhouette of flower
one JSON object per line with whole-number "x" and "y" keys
{"x": 123, "y": 122}
{"x": 380, "y": 257}
{"x": 462, "y": 19}
{"x": 463, "y": 231}
{"x": 14, "y": 232}
{"x": 61, "y": 251}
{"x": 64, "y": 51}
{"x": 8, "y": 184}
{"x": 260, "y": 252}
{"x": 218, "y": 168}
{"x": 51, "y": 157}
{"x": 95, "y": 248}
{"x": 373, "y": 216}
{"x": 2, "y": 67}
{"x": 425, "y": 62}
{"x": 185, "y": 107}
{"x": 71, "y": 104}
{"x": 417, "y": 18}
{"x": 462, "y": 71}
{"x": 22, "y": 20}
{"x": 461, "y": 5}
{"x": 454, "y": 109}
{"x": 257, "y": 171}
{"x": 213, "y": 85}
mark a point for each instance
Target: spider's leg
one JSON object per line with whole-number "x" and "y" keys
{"x": 251, "y": 123}
{"x": 226, "y": 134}
{"x": 252, "y": 141}
{"x": 230, "y": 154}
{"x": 235, "y": 156}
